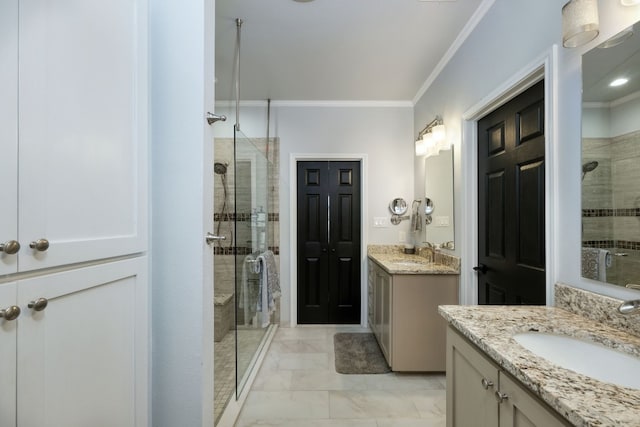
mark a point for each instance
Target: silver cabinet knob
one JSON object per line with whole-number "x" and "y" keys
{"x": 11, "y": 247}
{"x": 211, "y": 238}
{"x": 486, "y": 383}
{"x": 501, "y": 397}
{"x": 40, "y": 245}
{"x": 39, "y": 304}
{"x": 10, "y": 313}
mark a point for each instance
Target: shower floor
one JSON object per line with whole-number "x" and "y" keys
{"x": 225, "y": 361}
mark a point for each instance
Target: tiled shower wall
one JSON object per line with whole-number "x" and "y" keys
{"x": 611, "y": 203}
{"x": 225, "y": 266}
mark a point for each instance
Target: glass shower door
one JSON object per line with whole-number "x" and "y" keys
{"x": 252, "y": 239}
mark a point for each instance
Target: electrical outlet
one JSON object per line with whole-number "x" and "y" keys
{"x": 402, "y": 237}
{"x": 380, "y": 221}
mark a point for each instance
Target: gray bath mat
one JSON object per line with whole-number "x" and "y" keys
{"x": 358, "y": 353}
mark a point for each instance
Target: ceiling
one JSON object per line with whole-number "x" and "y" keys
{"x": 601, "y": 66}
{"x": 335, "y": 50}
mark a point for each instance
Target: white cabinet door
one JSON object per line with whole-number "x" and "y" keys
{"x": 82, "y": 361}
{"x": 8, "y": 330}
{"x": 8, "y": 131}
{"x": 520, "y": 409}
{"x": 82, "y": 128}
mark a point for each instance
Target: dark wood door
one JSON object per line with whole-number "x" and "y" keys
{"x": 328, "y": 242}
{"x": 511, "y": 202}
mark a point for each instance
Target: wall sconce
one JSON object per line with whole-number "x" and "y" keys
{"x": 432, "y": 139}
{"x": 580, "y": 22}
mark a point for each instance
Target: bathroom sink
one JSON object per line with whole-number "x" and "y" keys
{"x": 585, "y": 357}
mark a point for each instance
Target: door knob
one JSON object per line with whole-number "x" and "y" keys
{"x": 211, "y": 238}
{"x": 40, "y": 245}
{"x": 11, "y": 247}
{"x": 39, "y": 304}
{"x": 481, "y": 268}
{"x": 10, "y": 313}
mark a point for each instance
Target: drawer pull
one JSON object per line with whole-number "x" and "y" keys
{"x": 11, "y": 247}
{"x": 10, "y": 313}
{"x": 501, "y": 397}
{"x": 40, "y": 245}
{"x": 486, "y": 383}
{"x": 39, "y": 304}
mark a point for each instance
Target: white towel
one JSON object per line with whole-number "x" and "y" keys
{"x": 269, "y": 286}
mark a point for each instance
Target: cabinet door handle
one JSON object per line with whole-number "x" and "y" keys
{"x": 40, "y": 245}
{"x": 10, "y": 313}
{"x": 501, "y": 397}
{"x": 39, "y": 304}
{"x": 11, "y": 247}
{"x": 486, "y": 383}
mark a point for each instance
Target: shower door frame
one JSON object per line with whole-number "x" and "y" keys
{"x": 294, "y": 158}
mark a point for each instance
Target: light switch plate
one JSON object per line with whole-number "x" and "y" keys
{"x": 442, "y": 221}
{"x": 380, "y": 221}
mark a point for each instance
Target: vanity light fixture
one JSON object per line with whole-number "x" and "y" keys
{"x": 580, "y": 22}
{"x": 432, "y": 138}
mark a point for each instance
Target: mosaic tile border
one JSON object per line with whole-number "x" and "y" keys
{"x": 605, "y": 244}
{"x": 240, "y": 250}
{"x": 243, "y": 217}
{"x": 601, "y": 213}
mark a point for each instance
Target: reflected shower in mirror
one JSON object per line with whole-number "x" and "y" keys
{"x": 438, "y": 186}
{"x": 611, "y": 160}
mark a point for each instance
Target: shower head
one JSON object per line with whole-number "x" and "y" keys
{"x": 220, "y": 168}
{"x": 589, "y": 166}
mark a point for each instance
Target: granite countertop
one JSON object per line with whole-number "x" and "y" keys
{"x": 399, "y": 263}
{"x": 581, "y": 400}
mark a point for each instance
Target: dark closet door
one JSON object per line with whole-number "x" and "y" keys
{"x": 511, "y": 202}
{"x": 328, "y": 242}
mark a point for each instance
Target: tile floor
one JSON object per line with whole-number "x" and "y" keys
{"x": 249, "y": 340}
{"x": 297, "y": 386}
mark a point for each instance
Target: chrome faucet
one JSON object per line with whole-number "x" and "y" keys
{"x": 630, "y": 306}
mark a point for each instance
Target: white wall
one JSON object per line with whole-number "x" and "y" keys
{"x": 383, "y": 133}
{"x": 182, "y": 272}
{"x": 512, "y": 34}
{"x": 612, "y": 120}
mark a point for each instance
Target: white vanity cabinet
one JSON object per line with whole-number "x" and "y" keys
{"x": 81, "y": 359}
{"x": 404, "y": 317}
{"x": 480, "y": 394}
{"x": 72, "y": 131}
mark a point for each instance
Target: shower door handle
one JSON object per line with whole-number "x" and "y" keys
{"x": 211, "y": 238}
{"x": 212, "y": 118}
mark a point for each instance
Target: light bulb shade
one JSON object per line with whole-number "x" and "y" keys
{"x": 580, "y": 22}
{"x": 421, "y": 148}
{"x": 439, "y": 133}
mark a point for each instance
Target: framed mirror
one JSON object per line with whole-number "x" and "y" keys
{"x": 610, "y": 172}
{"x": 439, "y": 191}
